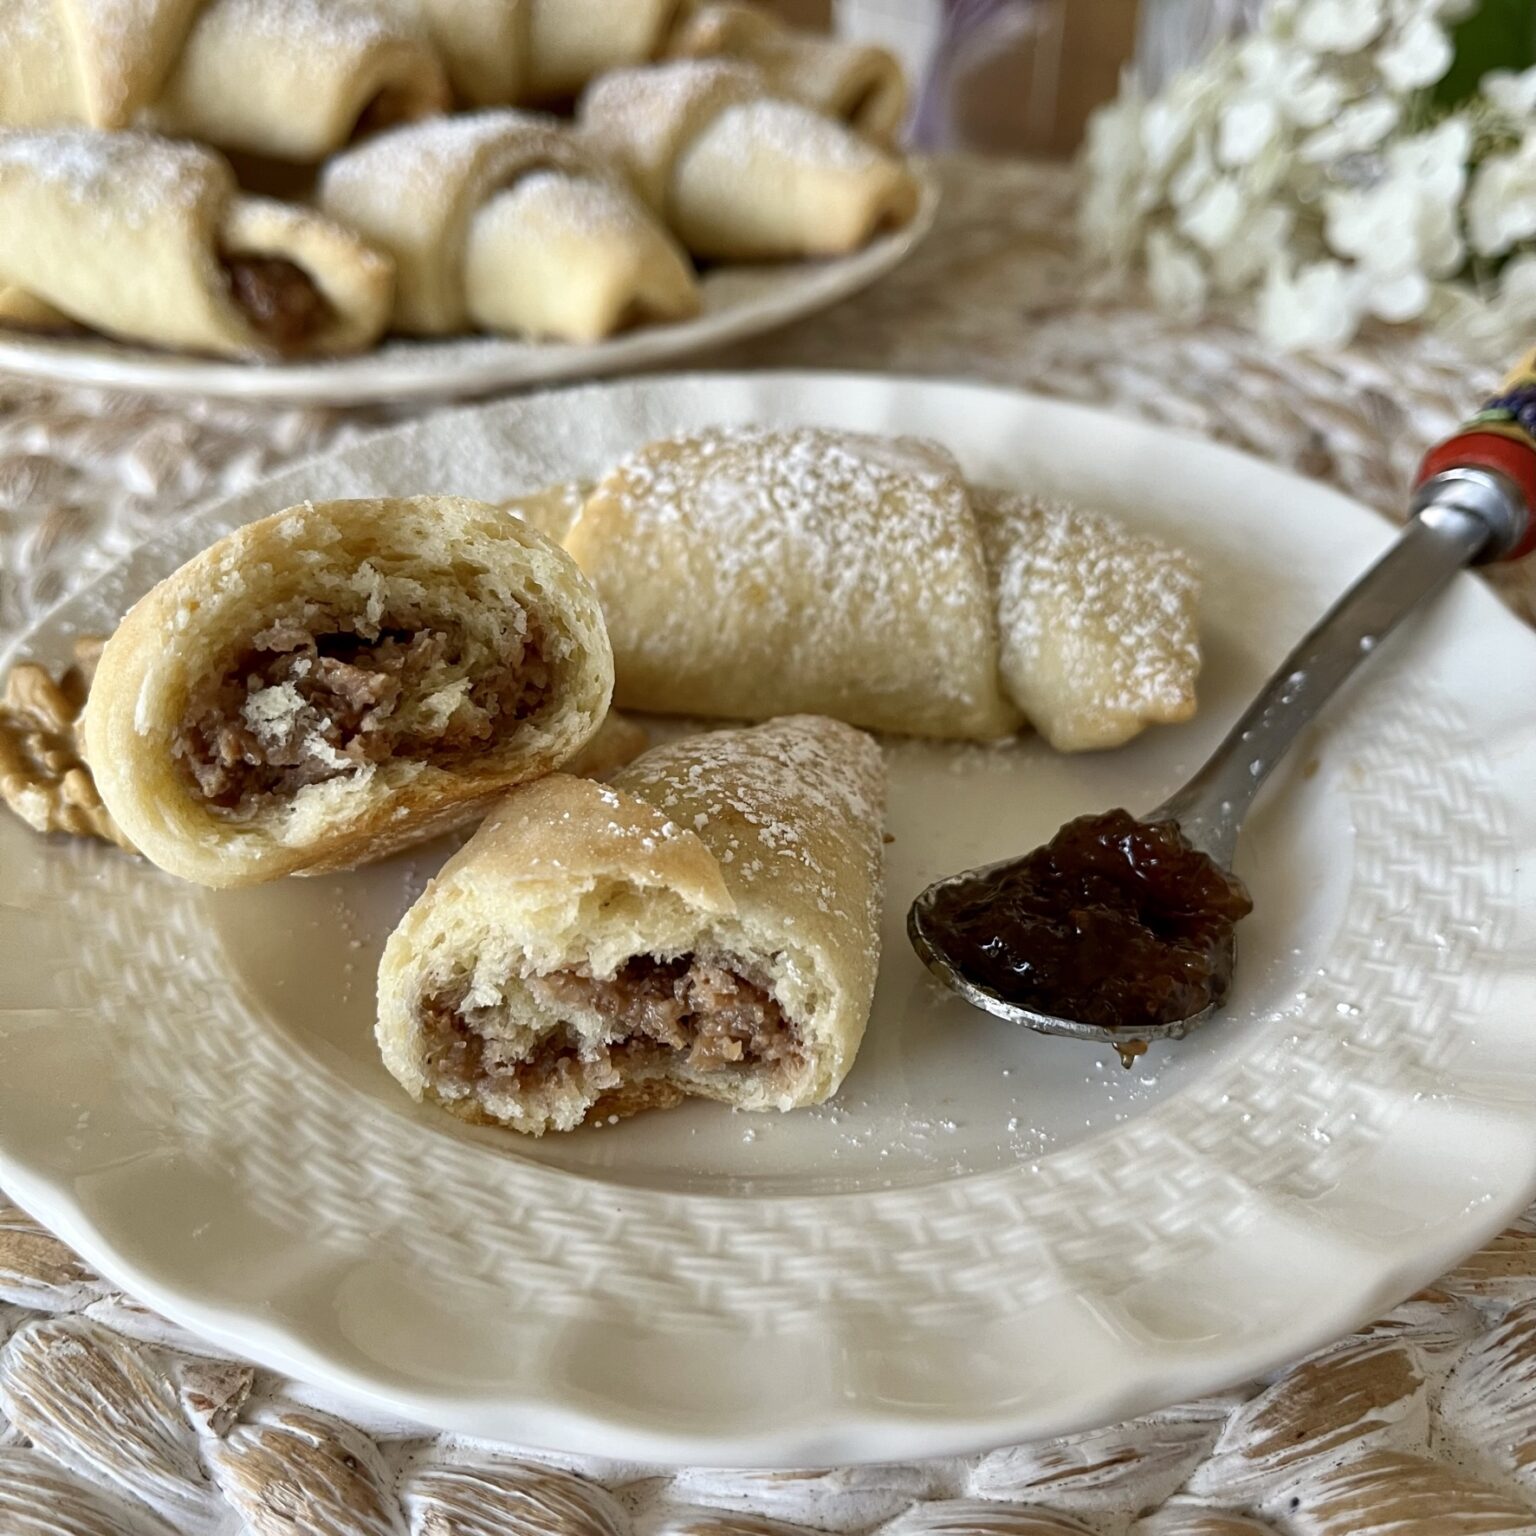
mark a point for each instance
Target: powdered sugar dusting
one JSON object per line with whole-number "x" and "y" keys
{"x": 797, "y": 802}
{"x": 424, "y": 155}
{"x": 137, "y": 173}
{"x": 585, "y": 204}
{"x": 790, "y": 131}
{"x": 1097, "y": 624}
{"x": 343, "y": 26}
{"x": 121, "y": 46}
{"x": 855, "y": 557}
{"x": 642, "y": 116}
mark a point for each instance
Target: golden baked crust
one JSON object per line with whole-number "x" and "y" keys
{"x": 752, "y": 572}
{"x": 296, "y": 81}
{"x": 455, "y": 563}
{"x": 130, "y": 235}
{"x": 1098, "y": 625}
{"x": 517, "y": 51}
{"x": 288, "y": 79}
{"x": 758, "y": 848}
{"x": 504, "y": 221}
{"x": 618, "y": 742}
{"x": 861, "y": 577}
{"x": 740, "y": 172}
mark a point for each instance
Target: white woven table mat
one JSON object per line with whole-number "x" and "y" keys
{"x": 115, "y": 1423}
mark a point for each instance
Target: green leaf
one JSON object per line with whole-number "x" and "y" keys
{"x": 1499, "y": 34}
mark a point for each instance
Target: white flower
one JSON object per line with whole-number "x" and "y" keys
{"x": 1391, "y": 228}
{"x": 1259, "y": 242}
{"x": 1501, "y": 208}
{"x": 1175, "y": 276}
{"x": 1213, "y": 218}
{"x": 1436, "y": 160}
{"x": 1418, "y": 56}
{"x": 1166, "y": 128}
{"x": 1516, "y": 304}
{"x": 1395, "y": 296}
{"x": 1286, "y": 78}
{"x": 1248, "y": 127}
{"x": 1338, "y": 26}
{"x": 1408, "y": 222}
{"x": 1195, "y": 175}
{"x": 1511, "y": 93}
{"x": 1318, "y": 307}
{"x": 1360, "y": 126}
{"x": 1279, "y": 172}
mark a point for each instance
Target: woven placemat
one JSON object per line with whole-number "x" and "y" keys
{"x": 113, "y": 1422}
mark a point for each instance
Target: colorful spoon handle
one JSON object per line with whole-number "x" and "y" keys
{"x": 1500, "y": 438}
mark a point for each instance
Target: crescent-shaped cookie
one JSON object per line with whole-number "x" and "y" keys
{"x": 739, "y": 172}
{"x": 855, "y": 83}
{"x": 149, "y": 239}
{"x": 503, "y": 221}
{"x": 747, "y": 572}
{"x": 285, "y": 79}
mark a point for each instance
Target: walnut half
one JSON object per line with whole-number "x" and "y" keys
{"x": 44, "y": 777}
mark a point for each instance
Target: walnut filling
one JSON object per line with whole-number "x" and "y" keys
{"x": 279, "y": 299}
{"x": 315, "y": 698}
{"x": 662, "y": 1017}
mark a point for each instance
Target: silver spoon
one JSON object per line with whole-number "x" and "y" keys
{"x": 1478, "y": 509}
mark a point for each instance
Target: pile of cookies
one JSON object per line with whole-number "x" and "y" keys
{"x": 290, "y": 178}
{"x": 345, "y": 679}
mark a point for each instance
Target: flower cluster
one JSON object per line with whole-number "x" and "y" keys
{"x": 1299, "y": 172}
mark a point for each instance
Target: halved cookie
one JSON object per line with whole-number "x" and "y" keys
{"x": 329, "y": 684}
{"x": 707, "y": 925}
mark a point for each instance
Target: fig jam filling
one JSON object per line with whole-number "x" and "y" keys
{"x": 279, "y": 299}
{"x": 1116, "y": 922}
{"x": 308, "y": 702}
{"x": 661, "y": 1015}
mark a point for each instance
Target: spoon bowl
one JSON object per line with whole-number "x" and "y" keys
{"x": 928, "y": 939}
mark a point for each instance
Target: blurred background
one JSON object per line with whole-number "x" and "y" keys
{"x": 1023, "y": 76}
{"x": 1008, "y": 76}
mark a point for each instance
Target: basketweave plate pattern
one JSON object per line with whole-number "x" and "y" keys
{"x": 736, "y": 302}
{"x": 999, "y": 1245}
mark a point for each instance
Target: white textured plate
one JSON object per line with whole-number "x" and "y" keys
{"x": 739, "y": 301}
{"x": 989, "y": 1235}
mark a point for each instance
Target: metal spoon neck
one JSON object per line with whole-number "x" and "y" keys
{"x": 1444, "y": 537}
